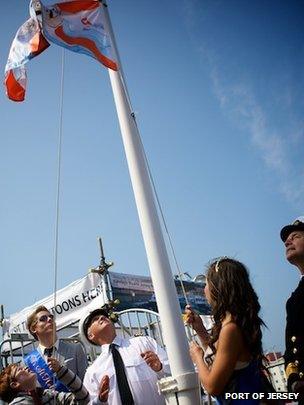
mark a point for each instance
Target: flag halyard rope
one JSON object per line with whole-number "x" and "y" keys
{"x": 58, "y": 185}
{"x": 157, "y": 200}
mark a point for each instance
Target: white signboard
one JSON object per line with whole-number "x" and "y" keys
{"x": 72, "y": 302}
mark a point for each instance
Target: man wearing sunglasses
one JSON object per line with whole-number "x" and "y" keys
{"x": 42, "y": 327}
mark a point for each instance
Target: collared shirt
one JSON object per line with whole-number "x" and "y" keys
{"x": 55, "y": 353}
{"x": 142, "y": 379}
{"x": 70, "y": 354}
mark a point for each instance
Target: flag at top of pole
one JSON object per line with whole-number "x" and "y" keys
{"x": 77, "y": 25}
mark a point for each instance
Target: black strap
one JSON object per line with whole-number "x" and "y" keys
{"x": 122, "y": 381}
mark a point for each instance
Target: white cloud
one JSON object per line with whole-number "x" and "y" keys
{"x": 277, "y": 146}
{"x": 238, "y": 102}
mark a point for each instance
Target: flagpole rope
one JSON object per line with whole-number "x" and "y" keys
{"x": 156, "y": 196}
{"x": 59, "y": 158}
{"x": 165, "y": 225}
{"x": 192, "y": 334}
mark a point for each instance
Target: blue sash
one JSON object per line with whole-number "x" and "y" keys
{"x": 45, "y": 375}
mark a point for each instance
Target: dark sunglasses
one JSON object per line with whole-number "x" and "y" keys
{"x": 44, "y": 318}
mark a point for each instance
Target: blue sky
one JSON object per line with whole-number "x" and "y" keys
{"x": 217, "y": 89}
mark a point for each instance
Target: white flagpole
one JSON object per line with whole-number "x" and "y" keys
{"x": 184, "y": 384}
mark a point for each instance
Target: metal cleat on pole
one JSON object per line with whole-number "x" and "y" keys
{"x": 173, "y": 387}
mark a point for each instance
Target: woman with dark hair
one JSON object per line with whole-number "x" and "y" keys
{"x": 232, "y": 359}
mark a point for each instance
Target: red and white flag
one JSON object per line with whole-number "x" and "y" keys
{"x": 28, "y": 43}
{"x": 79, "y": 26}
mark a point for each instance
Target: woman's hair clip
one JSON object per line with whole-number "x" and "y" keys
{"x": 217, "y": 264}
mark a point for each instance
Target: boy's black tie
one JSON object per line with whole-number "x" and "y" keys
{"x": 48, "y": 351}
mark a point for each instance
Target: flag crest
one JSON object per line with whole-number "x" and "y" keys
{"x": 80, "y": 27}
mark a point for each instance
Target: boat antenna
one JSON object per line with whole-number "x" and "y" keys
{"x": 103, "y": 271}
{"x": 103, "y": 267}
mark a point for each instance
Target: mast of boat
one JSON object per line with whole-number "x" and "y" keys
{"x": 103, "y": 271}
{"x": 183, "y": 387}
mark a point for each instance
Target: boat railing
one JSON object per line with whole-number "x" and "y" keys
{"x": 144, "y": 322}
{"x": 14, "y": 348}
{"x": 140, "y": 322}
